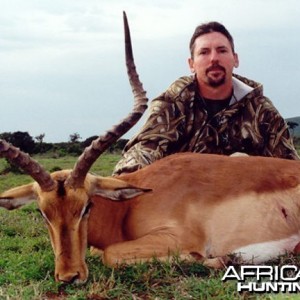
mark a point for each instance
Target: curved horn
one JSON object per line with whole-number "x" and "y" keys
{"x": 99, "y": 145}
{"x": 27, "y": 164}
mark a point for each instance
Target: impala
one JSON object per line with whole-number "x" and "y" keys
{"x": 197, "y": 206}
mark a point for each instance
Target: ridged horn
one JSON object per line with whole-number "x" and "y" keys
{"x": 27, "y": 164}
{"x": 102, "y": 143}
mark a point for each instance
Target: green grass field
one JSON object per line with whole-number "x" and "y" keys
{"x": 27, "y": 266}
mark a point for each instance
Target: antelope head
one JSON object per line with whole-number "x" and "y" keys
{"x": 63, "y": 197}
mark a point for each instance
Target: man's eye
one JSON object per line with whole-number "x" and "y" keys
{"x": 223, "y": 50}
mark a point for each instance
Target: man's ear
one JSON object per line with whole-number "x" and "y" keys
{"x": 115, "y": 189}
{"x": 191, "y": 65}
{"x": 236, "y": 60}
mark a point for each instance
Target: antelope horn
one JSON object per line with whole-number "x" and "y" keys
{"x": 27, "y": 164}
{"x": 99, "y": 145}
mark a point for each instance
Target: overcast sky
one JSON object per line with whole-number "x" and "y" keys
{"x": 62, "y": 64}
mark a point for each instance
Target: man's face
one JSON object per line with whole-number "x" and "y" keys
{"x": 213, "y": 59}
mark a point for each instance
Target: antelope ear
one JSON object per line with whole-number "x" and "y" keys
{"x": 17, "y": 197}
{"x": 115, "y": 189}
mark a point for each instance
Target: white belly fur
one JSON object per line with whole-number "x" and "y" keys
{"x": 262, "y": 252}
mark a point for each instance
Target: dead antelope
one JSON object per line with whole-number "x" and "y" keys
{"x": 198, "y": 206}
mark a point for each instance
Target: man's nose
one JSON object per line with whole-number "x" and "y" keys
{"x": 214, "y": 56}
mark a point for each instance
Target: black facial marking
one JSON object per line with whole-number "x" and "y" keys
{"x": 284, "y": 212}
{"x": 61, "y": 191}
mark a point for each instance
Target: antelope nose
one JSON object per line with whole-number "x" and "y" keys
{"x": 70, "y": 277}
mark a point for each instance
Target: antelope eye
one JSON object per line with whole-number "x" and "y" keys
{"x": 43, "y": 215}
{"x": 39, "y": 211}
{"x": 87, "y": 209}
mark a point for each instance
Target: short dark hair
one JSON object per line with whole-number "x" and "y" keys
{"x": 208, "y": 28}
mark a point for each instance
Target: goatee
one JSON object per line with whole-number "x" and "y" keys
{"x": 215, "y": 82}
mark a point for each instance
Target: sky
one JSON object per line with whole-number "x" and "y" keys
{"x": 62, "y": 64}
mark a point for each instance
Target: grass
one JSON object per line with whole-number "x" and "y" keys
{"x": 27, "y": 266}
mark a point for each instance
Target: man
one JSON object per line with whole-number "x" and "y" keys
{"x": 212, "y": 111}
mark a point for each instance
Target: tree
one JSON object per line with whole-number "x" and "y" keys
{"x": 88, "y": 141}
{"x": 74, "y": 146}
{"x": 74, "y": 138}
{"x": 292, "y": 125}
{"x": 20, "y": 139}
{"x": 40, "y": 146}
{"x": 40, "y": 138}
{"x": 118, "y": 145}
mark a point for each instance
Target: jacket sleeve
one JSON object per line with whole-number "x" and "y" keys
{"x": 154, "y": 141}
{"x": 279, "y": 142}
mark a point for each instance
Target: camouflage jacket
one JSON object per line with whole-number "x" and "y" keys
{"x": 178, "y": 122}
